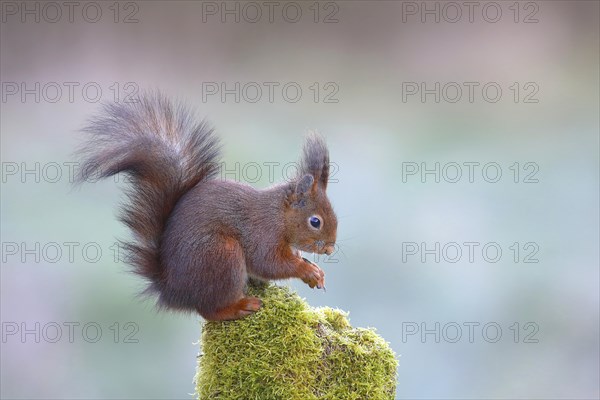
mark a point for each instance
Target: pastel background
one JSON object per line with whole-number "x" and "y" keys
{"x": 367, "y": 56}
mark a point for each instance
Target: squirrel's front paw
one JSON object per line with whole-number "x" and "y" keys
{"x": 313, "y": 275}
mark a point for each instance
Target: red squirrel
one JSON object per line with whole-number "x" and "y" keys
{"x": 197, "y": 238}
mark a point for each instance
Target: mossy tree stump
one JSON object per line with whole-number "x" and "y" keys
{"x": 288, "y": 350}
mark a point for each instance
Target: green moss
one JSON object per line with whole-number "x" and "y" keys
{"x": 288, "y": 350}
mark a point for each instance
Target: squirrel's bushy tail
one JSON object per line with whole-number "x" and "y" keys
{"x": 165, "y": 152}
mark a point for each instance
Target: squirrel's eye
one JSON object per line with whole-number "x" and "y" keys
{"x": 315, "y": 222}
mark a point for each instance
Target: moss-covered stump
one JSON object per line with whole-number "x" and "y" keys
{"x": 288, "y": 350}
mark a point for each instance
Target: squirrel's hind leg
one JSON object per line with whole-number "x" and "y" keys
{"x": 229, "y": 283}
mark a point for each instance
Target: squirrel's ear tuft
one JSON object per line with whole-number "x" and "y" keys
{"x": 315, "y": 160}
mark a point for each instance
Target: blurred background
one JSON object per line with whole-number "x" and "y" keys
{"x": 465, "y": 144}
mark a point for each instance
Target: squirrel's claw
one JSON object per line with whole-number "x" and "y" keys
{"x": 313, "y": 276}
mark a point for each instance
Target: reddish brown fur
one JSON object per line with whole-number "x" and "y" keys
{"x": 199, "y": 239}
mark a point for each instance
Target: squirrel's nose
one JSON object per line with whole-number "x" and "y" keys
{"x": 329, "y": 249}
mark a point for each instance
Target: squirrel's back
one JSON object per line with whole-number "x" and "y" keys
{"x": 166, "y": 152}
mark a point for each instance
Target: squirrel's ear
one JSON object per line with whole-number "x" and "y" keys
{"x": 304, "y": 185}
{"x": 324, "y": 178}
{"x": 315, "y": 160}
{"x": 297, "y": 196}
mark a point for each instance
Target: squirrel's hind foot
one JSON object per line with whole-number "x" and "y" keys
{"x": 240, "y": 309}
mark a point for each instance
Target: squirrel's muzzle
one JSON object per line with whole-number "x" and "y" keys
{"x": 329, "y": 249}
